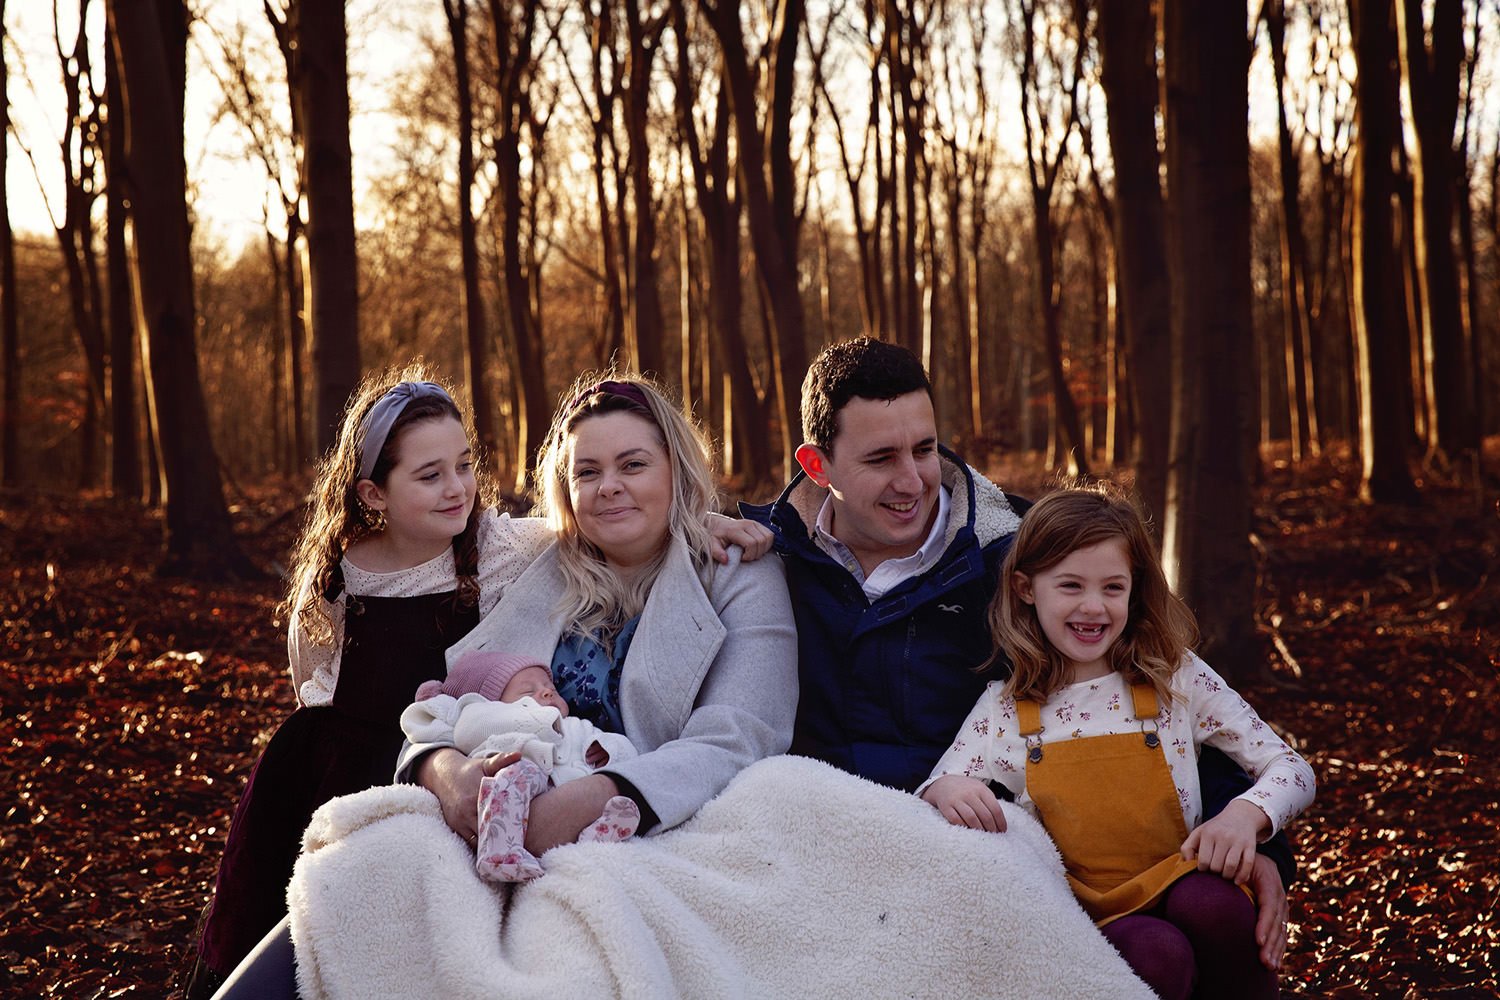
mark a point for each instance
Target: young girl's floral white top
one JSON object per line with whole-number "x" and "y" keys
{"x": 1204, "y": 709}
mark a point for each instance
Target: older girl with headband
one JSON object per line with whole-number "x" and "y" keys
{"x": 402, "y": 554}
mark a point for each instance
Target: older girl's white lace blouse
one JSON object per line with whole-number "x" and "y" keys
{"x": 1204, "y": 709}
{"x": 507, "y": 546}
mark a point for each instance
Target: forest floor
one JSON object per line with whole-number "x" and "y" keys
{"x": 132, "y": 707}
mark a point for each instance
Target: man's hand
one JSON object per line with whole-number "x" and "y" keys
{"x": 1271, "y": 916}
{"x": 559, "y": 815}
{"x": 751, "y": 536}
{"x": 1226, "y": 843}
{"x": 454, "y": 778}
{"x": 966, "y": 801}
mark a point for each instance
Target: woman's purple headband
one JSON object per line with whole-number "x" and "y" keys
{"x": 610, "y": 387}
{"x": 377, "y": 424}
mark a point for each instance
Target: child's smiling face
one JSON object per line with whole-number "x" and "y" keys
{"x": 1082, "y": 604}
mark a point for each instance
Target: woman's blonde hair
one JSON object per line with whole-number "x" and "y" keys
{"x": 1160, "y": 629}
{"x": 597, "y": 601}
{"x": 337, "y": 518}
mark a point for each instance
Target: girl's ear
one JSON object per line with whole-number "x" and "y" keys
{"x": 371, "y": 495}
{"x": 1022, "y": 584}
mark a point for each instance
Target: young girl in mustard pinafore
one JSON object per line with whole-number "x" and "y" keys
{"x": 1096, "y": 734}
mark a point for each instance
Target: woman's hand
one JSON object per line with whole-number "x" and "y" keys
{"x": 454, "y": 777}
{"x": 966, "y": 801}
{"x": 559, "y": 815}
{"x": 751, "y": 536}
{"x": 1226, "y": 843}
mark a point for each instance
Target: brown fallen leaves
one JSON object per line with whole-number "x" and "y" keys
{"x": 132, "y": 707}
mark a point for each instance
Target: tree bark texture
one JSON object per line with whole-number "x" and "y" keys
{"x": 150, "y": 38}
{"x": 768, "y": 191}
{"x": 1207, "y": 539}
{"x": 1385, "y": 420}
{"x": 514, "y": 26}
{"x": 320, "y": 90}
{"x": 476, "y": 336}
{"x": 125, "y": 453}
{"x": 1128, "y": 73}
{"x": 10, "y": 337}
{"x": 1431, "y": 77}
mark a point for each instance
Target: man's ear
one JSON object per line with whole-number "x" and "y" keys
{"x": 372, "y": 496}
{"x": 812, "y": 460}
{"x": 1022, "y": 583}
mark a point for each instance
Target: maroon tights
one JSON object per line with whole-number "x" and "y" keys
{"x": 1199, "y": 940}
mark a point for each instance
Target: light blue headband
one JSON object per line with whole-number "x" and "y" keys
{"x": 377, "y": 424}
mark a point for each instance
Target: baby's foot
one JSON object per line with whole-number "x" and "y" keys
{"x": 504, "y": 804}
{"x": 619, "y": 821}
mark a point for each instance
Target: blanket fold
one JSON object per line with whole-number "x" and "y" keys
{"x": 797, "y": 881}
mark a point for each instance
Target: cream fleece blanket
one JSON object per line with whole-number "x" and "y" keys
{"x": 799, "y": 881}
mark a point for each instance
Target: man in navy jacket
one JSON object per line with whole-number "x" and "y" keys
{"x": 892, "y": 547}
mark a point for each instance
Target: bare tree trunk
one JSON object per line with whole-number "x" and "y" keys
{"x": 1206, "y": 546}
{"x": 1295, "y": 312}
{"x": 314, "y": 41}
{"x": 1127, "y": 48}
{"x": 645, "y": 303}
{"x": 476, "y": 336}
{"x": 719, "y": 205}
{"x": 769, "y": 191}
{"x": 601, "y": 35}
{"x": 150, "y": 37}
{"x": 125, "y": 457}
{"x": 1043, "y": 168}
{"x": 81, "y": 154}
{"x": 10, "y": 337}
{"x": 514, "y": 31}
{"x": 1385, "y": 423}
{"x": 1431, "y": 75}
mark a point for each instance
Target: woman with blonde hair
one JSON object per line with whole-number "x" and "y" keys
{"x": 696, "y": 664}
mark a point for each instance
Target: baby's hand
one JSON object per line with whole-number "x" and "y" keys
{"x": 966, "y": 801}
{"x": 1226, "y": 843}
{"x": 596, "y": 755}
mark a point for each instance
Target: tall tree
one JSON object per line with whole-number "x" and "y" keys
{"x": 125, "y": 455}
{"x": 1295, "y": 308}
{"x": 1048, "y": 121}
{"x": 768, "y": 187}
{"x": 513, "y": 23}
{"x": 81, "y": 151}
{"x": 719, "y": 207}
{"x": 1128, "y": 72}
{"x": 1206, "y": 547}
{"x": 1430, "y": 73}
{"x": 1380, "y": 343}
{"x": 644, "y": 333}
{"x": 314, "y": 41}
{"x": 150, "y": 38}
{"x": 10, "y": 335}
{"x": 476, "y": 336}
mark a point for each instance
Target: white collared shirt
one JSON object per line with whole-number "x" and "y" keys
{"x": 891, "y": 572}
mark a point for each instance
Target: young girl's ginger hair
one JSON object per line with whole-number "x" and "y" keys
{"x": 1160, "y": 629}
{"x": 337, "y": 519}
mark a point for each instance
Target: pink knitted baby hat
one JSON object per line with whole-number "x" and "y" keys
{"x": 481, "y": 671}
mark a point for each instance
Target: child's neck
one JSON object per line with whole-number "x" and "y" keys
{"x": 388, "y": 552}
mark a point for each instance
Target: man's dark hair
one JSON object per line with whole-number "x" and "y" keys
{"x": 863, "y": 367}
